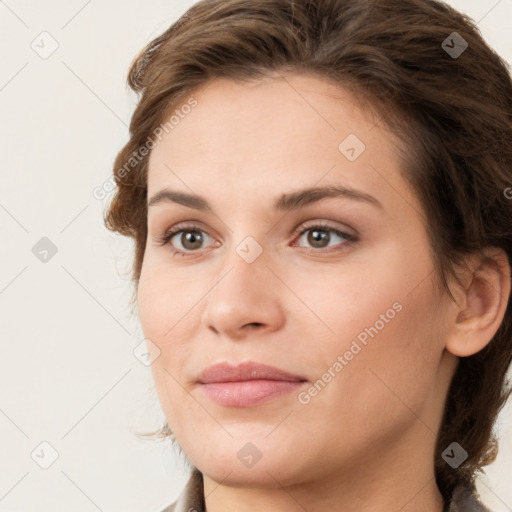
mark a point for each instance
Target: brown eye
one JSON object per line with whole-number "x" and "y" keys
{"x": 319, "y": 237}
{"x": 184, "y": 240}
{"x": 191, "y": 240}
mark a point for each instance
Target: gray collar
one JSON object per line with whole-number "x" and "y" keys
{"x": 465, "y": 499}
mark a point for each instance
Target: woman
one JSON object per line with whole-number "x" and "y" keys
{"x": 320, "y": 198}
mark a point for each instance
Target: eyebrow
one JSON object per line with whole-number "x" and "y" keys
{"x": 285, "y": 202}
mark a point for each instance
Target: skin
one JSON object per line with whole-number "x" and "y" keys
{"x": 366, "y": 441}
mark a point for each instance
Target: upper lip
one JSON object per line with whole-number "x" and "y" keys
{"x": 249, "y": 370}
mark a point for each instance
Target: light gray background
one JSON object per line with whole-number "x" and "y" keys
{"x": 68, "y": 375}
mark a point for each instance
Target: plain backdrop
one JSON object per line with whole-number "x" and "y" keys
{"x": 72, "y": 392}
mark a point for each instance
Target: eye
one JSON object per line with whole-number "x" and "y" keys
{"x": 193, "y": 236}
{"x": 191, "y": 239}
{"x": 319, "y": 235}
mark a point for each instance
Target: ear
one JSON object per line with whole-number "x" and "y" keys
{"x": 481, "y": 302}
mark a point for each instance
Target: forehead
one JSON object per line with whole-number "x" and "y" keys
{"x": 262, "y": 136}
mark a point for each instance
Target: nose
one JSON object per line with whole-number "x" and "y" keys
{"x": 245, "y": 298}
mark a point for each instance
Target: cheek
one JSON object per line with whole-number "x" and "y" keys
{"x": 387, "y": 385}
{"x": 165, "y": 296}
{"x": 382, "y": 322}
{"x": 161, "y": 306}
{"x": 372, "y": 293}
{"x": 165, "y": 311}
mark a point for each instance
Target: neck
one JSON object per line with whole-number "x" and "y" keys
{"x": 397, "y": 477}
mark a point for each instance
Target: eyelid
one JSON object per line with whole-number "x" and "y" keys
{"x": 325, "y": 224}
{"x": 178, "y": 228}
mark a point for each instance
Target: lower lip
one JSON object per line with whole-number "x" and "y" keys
{"x": 249, "y": 392}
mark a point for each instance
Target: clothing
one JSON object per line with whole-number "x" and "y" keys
{"x": 465, "y": 499}
{"x": 191, "y": 499}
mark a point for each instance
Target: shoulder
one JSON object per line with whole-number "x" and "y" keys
{"x": 465, "y": 499}
{"x": 191, "y": 498}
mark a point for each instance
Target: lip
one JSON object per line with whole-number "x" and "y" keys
{"x": 246, "y": 384}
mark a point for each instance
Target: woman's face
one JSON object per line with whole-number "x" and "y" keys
{"x": 349, "y": 306}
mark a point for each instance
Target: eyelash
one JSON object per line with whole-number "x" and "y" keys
{"x": 320, "y": 226}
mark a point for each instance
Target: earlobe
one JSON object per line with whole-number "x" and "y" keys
{"x": 478, "y": 315}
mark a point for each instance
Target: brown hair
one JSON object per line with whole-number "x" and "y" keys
{"x": 452, "y": 114}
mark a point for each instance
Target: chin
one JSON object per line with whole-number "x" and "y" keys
{"x": 269, "y": 474}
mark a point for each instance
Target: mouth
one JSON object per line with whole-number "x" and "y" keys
{"x": 247, "y": 384}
